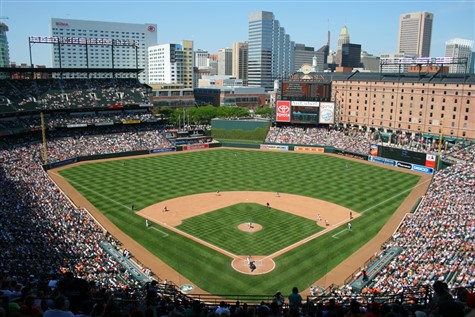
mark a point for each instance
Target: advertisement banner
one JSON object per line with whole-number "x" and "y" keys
{"x": 195, "y": 147}
{"x": 405, "y": 165}
{"x": 430, "y": 160}
{"x": 104, "y": 123}
{"x": 131, "y": 121}
{"x": 274, "y": 147}
{"x": 422, "y": 169}
{"x": 62, "y": 163}
{"x": 167, "y": 149}
{"x": 381, "y": 160}
{"x": 283, "y": 111}
{"x": 373, "y": 150}
{"x": 327, "y": 113}
{"x": 309, "y": 149}
{"x": 77, "y": 125}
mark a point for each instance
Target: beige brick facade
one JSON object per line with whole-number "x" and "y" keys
{"x": 423, "y": 106}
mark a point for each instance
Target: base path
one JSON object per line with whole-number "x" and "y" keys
{"x": 171, "y": 213}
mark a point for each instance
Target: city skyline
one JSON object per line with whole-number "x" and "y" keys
{"x": 213, "y": 25}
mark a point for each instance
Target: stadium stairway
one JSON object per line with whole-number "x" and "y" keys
{"x": 128, "y": 264}
{"x": 373, "y": 268}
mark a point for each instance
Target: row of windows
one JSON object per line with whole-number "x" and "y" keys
{"x": 467, "y": 110}
{"x": 401, "y": 83}
{"x": 99, "y": 31}
{"x": 408, "y": 127}
{"x": 422, "y": 99}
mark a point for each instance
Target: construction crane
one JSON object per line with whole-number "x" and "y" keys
{"x": 4, "y": 18}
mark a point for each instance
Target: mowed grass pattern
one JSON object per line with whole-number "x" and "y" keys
{"x": 114, "y": 186}
{"x": 279, "y": 229}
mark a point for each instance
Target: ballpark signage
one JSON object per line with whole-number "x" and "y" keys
{"x": 283, "y": 111}
{"x": 327, "y": 113}
{"x": 400, "y": 164}
{"x": 430, "y": 160}
{"x": 274, "y": 147}
{"x": 309, "y": 149}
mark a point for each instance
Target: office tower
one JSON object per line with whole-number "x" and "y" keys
{"x": 171, "y": 64}
{"x": 415, "y": 32}
{"x": 303, "y": 55}
{"x": 103, "y": 56}
{"x": 343, "y": 38}
{"x": 271, "y": 52}
{"x": 4, "y": 51}
{"x": 201, "y": 58}
{"x": 225, "y": 61}
{"x": 351, "y": 55}
{"x": 240, "y": 57}
{"x": 323, "y": 52}
{"x": 460, "y": 49}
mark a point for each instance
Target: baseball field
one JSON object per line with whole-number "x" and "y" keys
{"x": 199, "y": 215}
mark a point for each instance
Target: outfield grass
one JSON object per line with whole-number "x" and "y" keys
{"x": 114, "y": 186}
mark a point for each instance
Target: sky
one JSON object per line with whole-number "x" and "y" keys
{"x": 214, "y": 24}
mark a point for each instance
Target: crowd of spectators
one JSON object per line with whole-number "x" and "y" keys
{"x": 53, "y": 120}
{"x": 58, "y": 93}
{"x": 438, "y": 240}
{"x": 345, "y": 139}
{"x": 354, "y": 140}
{"x": 42, "y": 233}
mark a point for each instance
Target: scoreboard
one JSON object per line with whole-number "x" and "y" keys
{"x": 403, "y": 155}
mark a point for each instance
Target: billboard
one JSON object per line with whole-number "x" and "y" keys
{"x": 430, "y": 160}
{"x": 327, "y": 113}
{"x": 283, "y": 111}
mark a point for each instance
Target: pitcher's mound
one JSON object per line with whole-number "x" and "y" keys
{"x": 250, "y": 227}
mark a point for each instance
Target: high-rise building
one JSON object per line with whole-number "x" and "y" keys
{"x": 4, "y": 51}
{"x": 459, "y": 48}
{"x": 103, "y": 56}
{"x": 225, "y": 61}
{"x": 201, "y": 58}
{"x": 350, "y": 55}
{"x": 271, "y": 52}
{"x": 303, "y": 55}
{"x": 343, "y": 38}
{"x": 323, "y": 52}
{"x": 415, "y": 33}
{"x": 240, "y": 57}
{"x": 171, "y": 64}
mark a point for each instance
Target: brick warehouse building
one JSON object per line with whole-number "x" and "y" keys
{"x": 415, "y": 102}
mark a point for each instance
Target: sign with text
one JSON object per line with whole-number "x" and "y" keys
{"x": 327, "y": 113}
{"x": 283, "y": 111}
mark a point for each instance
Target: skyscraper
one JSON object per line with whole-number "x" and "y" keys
{"x": 101, "y": 56}
{"x": 303, "y": 55}
{"x": 343, "y": 38}
{"x": 459, "y": 48}
{"x": 240, "y": 57}
{"x": 171, "y": 64}
{"x": 225, "y": 61}
{"x": 415, "y": 33}
{"x": 4, "y": 51}
{"x": 351, "y": 55}
{"x": 201, "y": 58}
{"x": 271, "y": 52}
